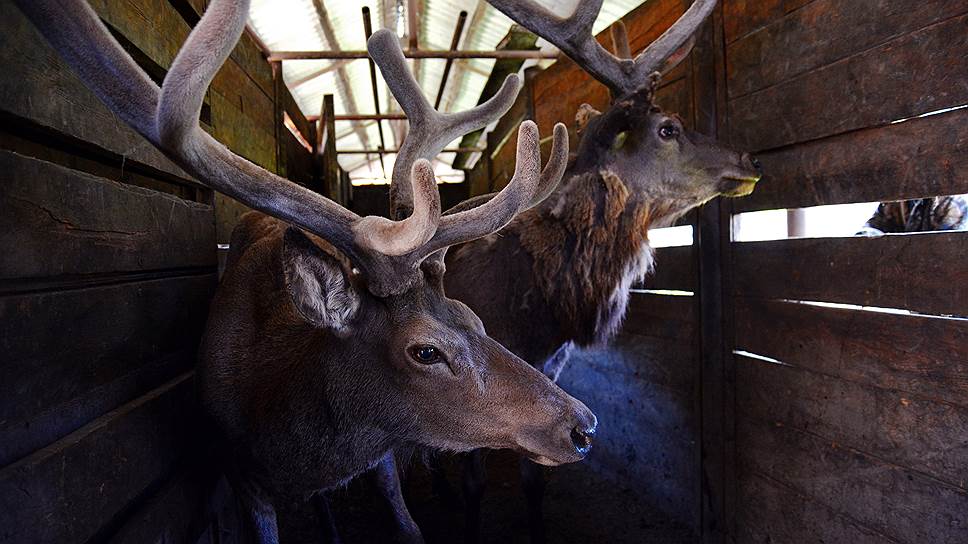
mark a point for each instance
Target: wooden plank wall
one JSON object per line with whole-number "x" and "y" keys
{"x": 109, "y": 265}
{"x": 845, "y": 424}
{"x": 851, "y": 425}
{"x": 644, "y": 385}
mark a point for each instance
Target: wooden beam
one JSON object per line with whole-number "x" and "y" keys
{"x": 414, "y": 54}
{"x": 364, "y": 117}
{"x": 461, "y": 19}
{"x": 464, "y": 65}
{"x": 368, "y": 31}
{"x": 342, "y": 79}
{"x": 395, "y": 150}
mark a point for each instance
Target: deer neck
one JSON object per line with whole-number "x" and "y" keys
{"x": 589, "y": 244}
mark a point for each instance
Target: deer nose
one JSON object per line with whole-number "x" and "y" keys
{"x": 582, "y": 435}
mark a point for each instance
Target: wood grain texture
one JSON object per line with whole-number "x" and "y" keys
{"x": 903, "y": 504}
{"x": 38, "y": 86}
{"x": 70, "y": 356}
{"x": 675, "y": 268}
{"x": 921, "y": 434}
{"x": 55, "y": 221}
{"x": 177, "y": 513}
{"x": 914, "y": 355}
{"x": 915, "y": 159}
{"x": 919, "y": 72}
{"x": 911, "y": 272}
{"x": 741, "y": 17}
{"x": 71, "y": 489}
{"x": 772, "y": 512}
{"x": 661, "y": 316}
{"x": 824, "y": 32}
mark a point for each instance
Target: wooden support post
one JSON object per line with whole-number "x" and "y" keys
{"x": 715, "y": 305}
{"x": 368, "y": 30}
{"x": 461, "y": 19}
{"x": 330, "y": 168}
{"x": 278, "y": 87}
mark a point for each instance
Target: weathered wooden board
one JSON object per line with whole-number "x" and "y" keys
{"x": 662, "y": 316}
{"x": 55, "y": 221}
{"x": 741, "y": 17}
{"x": 919, "y": 72}
{"x": 70, "y": 356}
{"x": 917, "y": 356}
{"x": 772, "y": 512}
{"x": 912, "y": 272}
{"x": 915, "y": 159}
{"x": 904, "y": 504}
{"x": 675, "y": 268}
{"x": 928, "y": 436}
{"x": 71, "y": 489}
{"x": 39, "y": 87}
{"x": 824, "y": 32}
{"x": 641, "y": 389}
{"x": 175, "y": 514}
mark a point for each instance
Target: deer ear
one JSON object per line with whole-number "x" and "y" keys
{"x": 317, "y": 282}
{"x": 584, "y": 116}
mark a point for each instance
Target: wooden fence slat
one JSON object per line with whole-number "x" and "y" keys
{"x": 71, "y": 489}
{"x": 742, "y": 17}
{"x": 176, "y": 514}
{"x": 901, "y": 503}
{"x": 928, "y": 436}
{"x": 675, "y": 268}
{"x": 921, "y": 356}
{"x": 824, "y": 32}
{"x": 920, "y": 72}
{"x": 915, "y": 159}
{"x": 772, "y": 512}
{"x": 38, "y": 86}
{"x": 917, "y": 272}
{"x": 662, "y": 316}
{"x": 93, "y": 225}
{"x": 642, "y": 392}
{"x": 70, "y": 356}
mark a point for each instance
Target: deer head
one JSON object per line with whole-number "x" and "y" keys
{"x": 325, "y": 315}
{"x": 648, "y": 149}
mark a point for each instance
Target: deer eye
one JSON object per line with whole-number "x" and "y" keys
{"x": 668, "y": 131}
{"x": 425, "y": 355}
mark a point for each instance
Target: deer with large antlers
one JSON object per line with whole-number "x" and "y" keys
{"x": 330, "y": 342}
{"x": 558, "y": 276}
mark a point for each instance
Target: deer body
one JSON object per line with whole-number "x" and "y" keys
{"x": 559, "y": 275}
{"x": 330, "y": 341}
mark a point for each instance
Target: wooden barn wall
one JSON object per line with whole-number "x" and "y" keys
{"x": 644, "y": 385}
{"x": 850, "y": 425}
{"x": 844, "y": 424}
{"x": 109, "y": 266}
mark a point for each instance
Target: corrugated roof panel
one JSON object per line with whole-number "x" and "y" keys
{"x": 293, "y": 25}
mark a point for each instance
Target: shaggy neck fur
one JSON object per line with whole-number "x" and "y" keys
{"x": 589, "y": 243}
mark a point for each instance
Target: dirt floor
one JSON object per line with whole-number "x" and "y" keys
{"x": 580, "y": 506}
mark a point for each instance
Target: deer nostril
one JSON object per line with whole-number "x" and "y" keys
{"x": 756, "y": 164}
{"x": 582, "y": 438}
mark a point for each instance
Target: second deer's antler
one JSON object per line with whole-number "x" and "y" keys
{"x": 573, "y": 36}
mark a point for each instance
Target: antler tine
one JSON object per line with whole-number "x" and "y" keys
{"x": 168, "y": 118}
{"x": 573, "y": 36}
{"x": 675, "y": 43}
{"x": 520, "y": 193}
{"x": 430, "y": 131}
{"x": 553, "y": 171}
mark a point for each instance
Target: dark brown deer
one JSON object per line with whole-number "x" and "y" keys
{"x": 559, "y": 275}
{"x": 330, "y": 342}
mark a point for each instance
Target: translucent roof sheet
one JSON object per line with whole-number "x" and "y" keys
{"x": 296, "y": 25}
